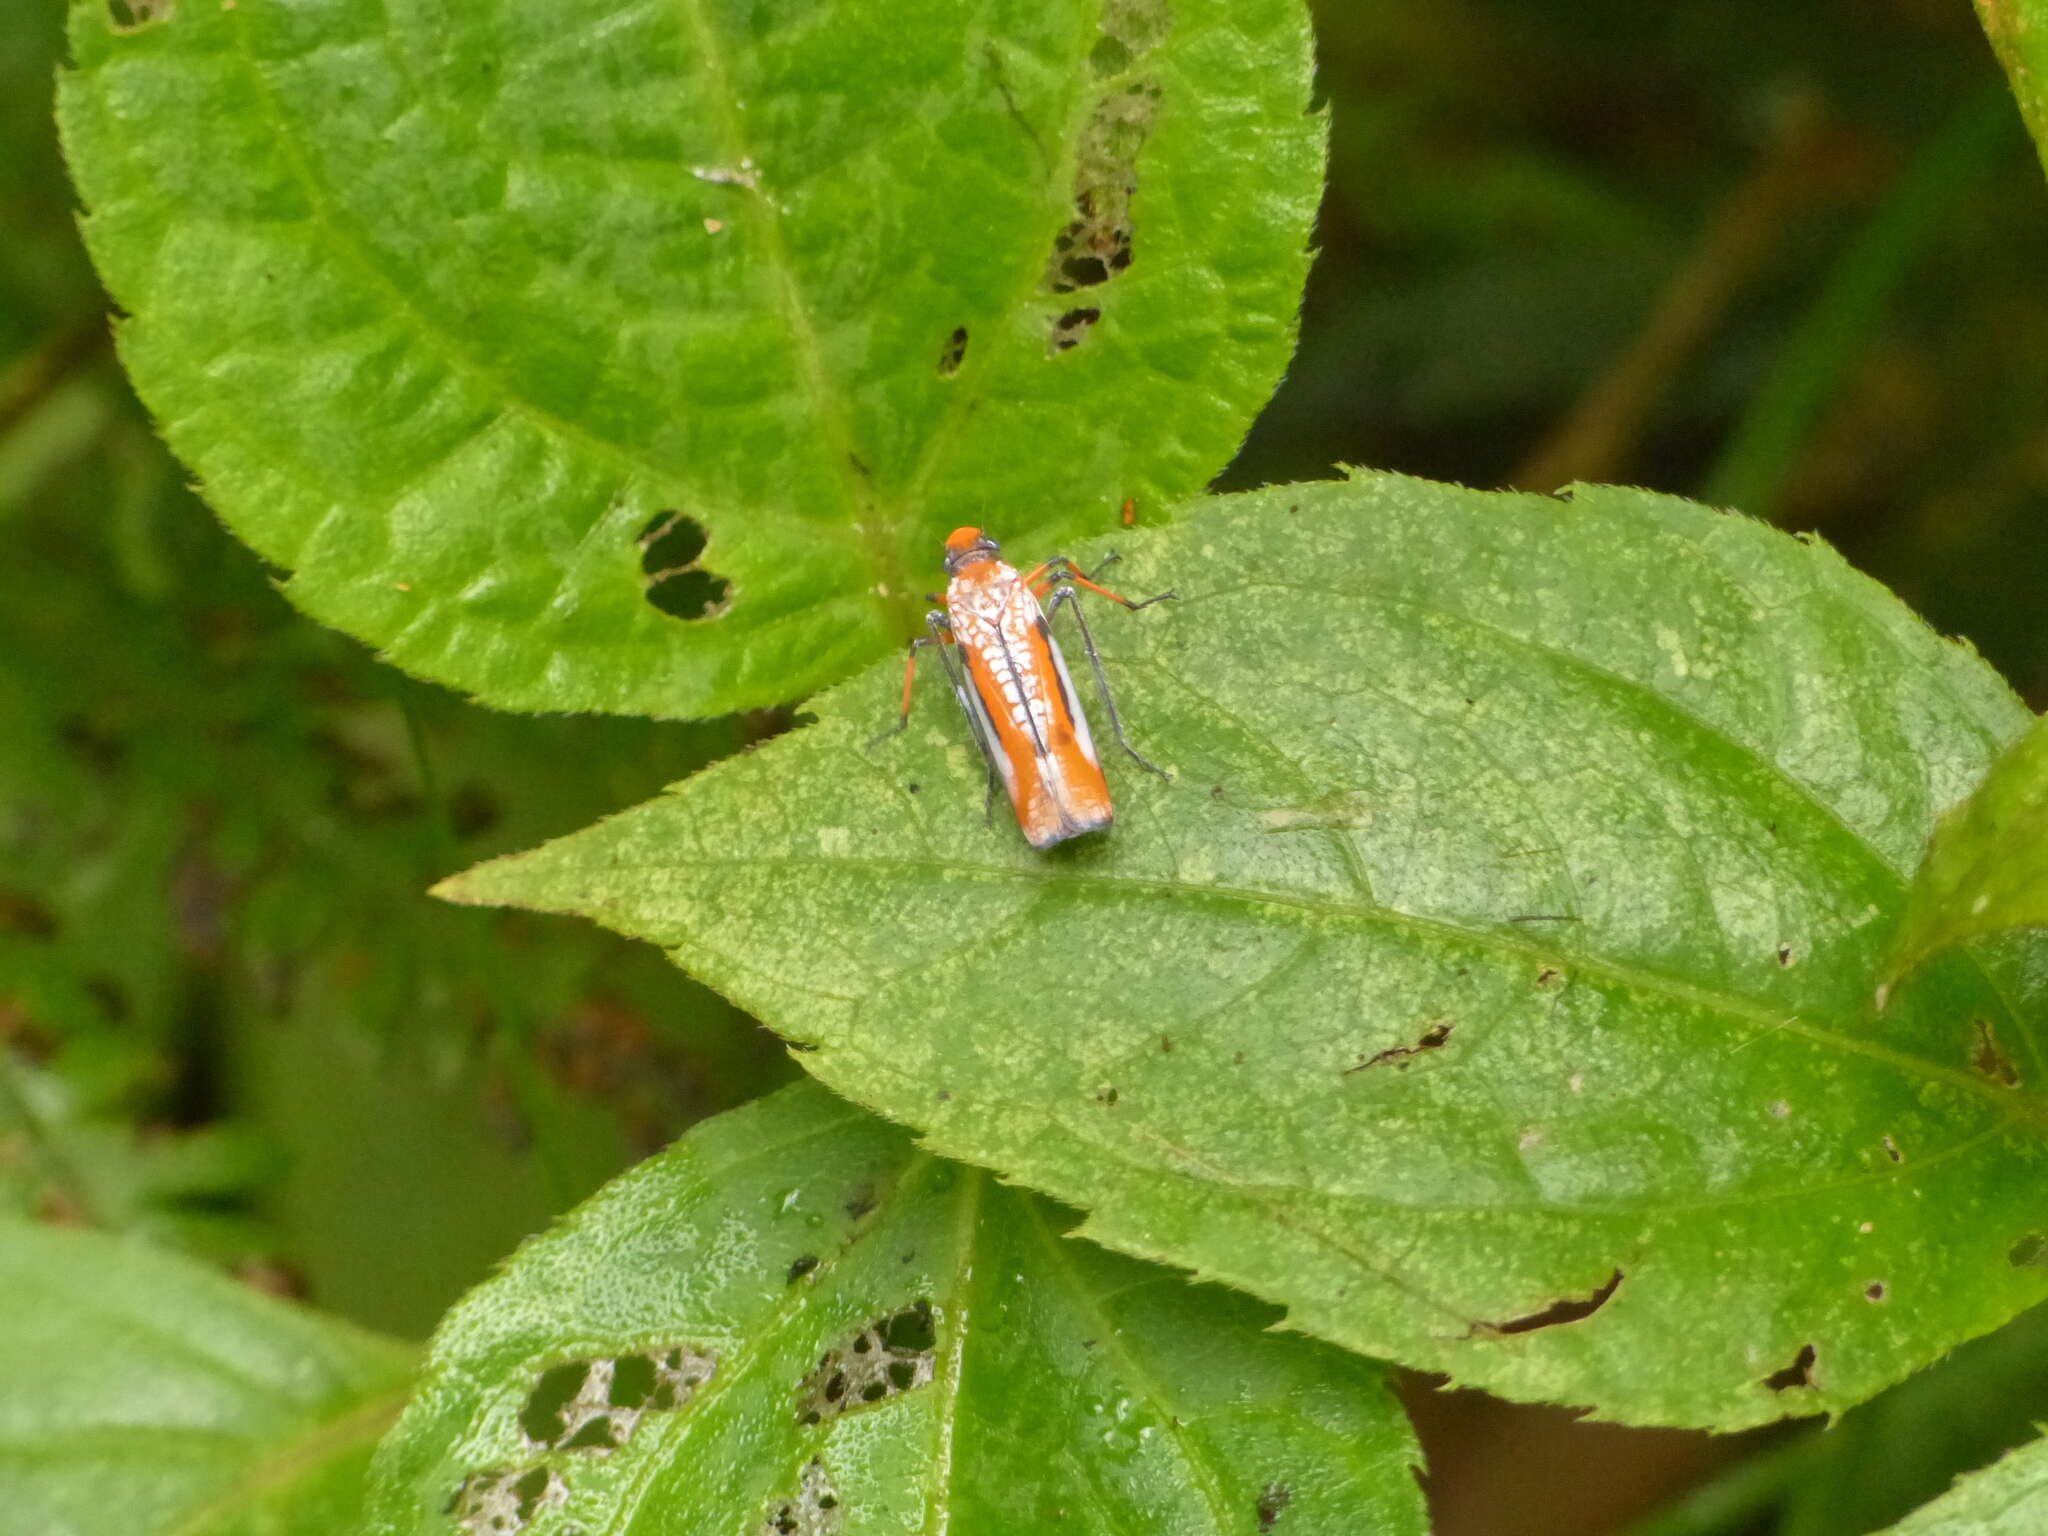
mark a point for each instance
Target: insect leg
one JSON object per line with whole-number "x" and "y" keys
{"x": 940, "y": 635}
{"x": 956, "y": 674}
{"x": 1060, "y": 568}
{"x": 1067, "y": 597}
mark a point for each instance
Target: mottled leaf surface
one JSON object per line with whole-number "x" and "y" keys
{"x": 796, "y": 1321}
{"x": 481, "y": 320}
{"x": 143, "y": 1393}
{"x": 1495, "y": 983}
{"x": 2008, "y": 1499}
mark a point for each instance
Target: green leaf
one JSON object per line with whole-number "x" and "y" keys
{"x": 456, "y": 313}
{"x": 2019, "y": 32}
{"x": 1493, "y": 984}
{"x": 1986, "y": 875}
{"x": 2009, "y": 1499}
{"x": 796, "y": 1321}
{"x": 142, "y": 1393}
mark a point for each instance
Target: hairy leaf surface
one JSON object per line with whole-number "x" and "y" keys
{"x": 795, "y": 1321}
{"x": 482, "y": 320}
{"x": 1494, "y": 984}
{"x": 141, "y": 1392}
{"x": 2008, "y": 1499}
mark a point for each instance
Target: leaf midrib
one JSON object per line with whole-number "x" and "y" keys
{"x": 1102, "y": 885}
{"x": 1208, "y": 1482}
{"x": 445, "y": 340}
{"x": 890, "y": 587}
{"x": 958, "y": 1318}
{"x": 2011, "y": 1101}
{"x": 733, "y": 1369}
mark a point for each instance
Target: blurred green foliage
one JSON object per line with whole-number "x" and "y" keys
{"x": 229, "y": 1017}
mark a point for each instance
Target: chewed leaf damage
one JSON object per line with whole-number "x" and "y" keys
{"x": 596, "y": 1404}
{"x": 888, "y": 1356}
{"x": 813, "y": 1511}
{"x": 1566, "y": 1309}
{"x": 1100, "y": 240}
{"x": 671, "y": 547}
{"x": 504, "y": 1501}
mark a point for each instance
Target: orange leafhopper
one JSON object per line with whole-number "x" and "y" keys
{"x": 1013, "y": 685}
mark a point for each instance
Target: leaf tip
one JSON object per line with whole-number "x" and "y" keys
{"x": 471, "y": 888}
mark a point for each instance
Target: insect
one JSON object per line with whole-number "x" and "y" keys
{"x": 1012, "y": 684}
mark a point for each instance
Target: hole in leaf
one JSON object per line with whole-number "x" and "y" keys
{"x": 505, "y": 1500}
{"x": 2030, "y": 1252}
{"x": 1785, "y": 954}
{"x": 1987, "y": 1058}
{"x": 1274, "y": 1498}
{"x": 892, "y": 1354}
{"x": 1109, "y": 56}
{"x": 689, "y": 594}
{"x": 1098, "y": 242}
{"x": 594, "y": 1405}
{"x": 541, "y": 1420}
{"x": 671, "y": 539}
{"x": 1070, "y": 329}
{"x": 134, "y": 15}
{"x": 670, "y": 547}
{"x": 1798, "y": 1374}
{"x": 1567, "y": 1309}
{"x": 600, "y": 1432}
{"x": 1874, "y": 1291}
{"x": 813, "y": 1512}
{"x": 1430, "y": 1039}
{"x": 800, "y": 1267}
{"x": 954, "y": 353}
{"x": 632, "y": 1381}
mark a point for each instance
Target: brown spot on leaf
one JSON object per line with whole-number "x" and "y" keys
{"x": 1274, "y": 1498}
{"x": 1431, "y": 1039}
{"x": 1987, "y": 1058}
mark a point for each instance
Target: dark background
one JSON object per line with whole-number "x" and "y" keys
{"x": 1784, "y": 255}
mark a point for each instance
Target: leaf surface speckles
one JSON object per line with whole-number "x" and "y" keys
{"x": 795, "y": 1322}
{"x": 631, "y": 354}
{"x": 1494, "y": 985}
